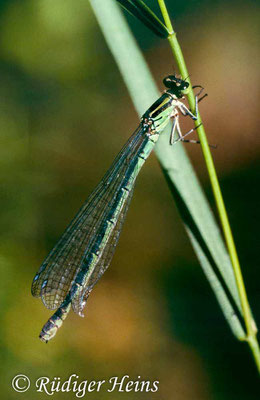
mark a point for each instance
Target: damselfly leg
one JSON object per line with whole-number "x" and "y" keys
{"x": 185, "y": 111}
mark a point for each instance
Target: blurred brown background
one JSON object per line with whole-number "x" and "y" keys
{"x": 64, "y": 115}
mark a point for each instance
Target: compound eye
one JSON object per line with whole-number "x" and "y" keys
{"x": 172, "y": 78}
{"x": 168, "y": 81}
{"x": 184, "y": 90}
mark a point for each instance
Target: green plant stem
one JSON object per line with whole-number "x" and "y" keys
{"x": 249, "y": 322}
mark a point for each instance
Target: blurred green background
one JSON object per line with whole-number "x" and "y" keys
{"x": 64, "y": 115}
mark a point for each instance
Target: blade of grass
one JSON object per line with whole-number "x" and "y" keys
{"x": 140, "y": 10}
{"x": 249, "y": 322}
{"x": 198, "y": 218}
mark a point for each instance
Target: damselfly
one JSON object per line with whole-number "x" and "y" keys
{"x": 84, "y": 251}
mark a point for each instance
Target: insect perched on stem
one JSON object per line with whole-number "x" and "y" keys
{"x": 84, "y": 251}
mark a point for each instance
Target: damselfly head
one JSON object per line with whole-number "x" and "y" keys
{"x": 177, "y": 86}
